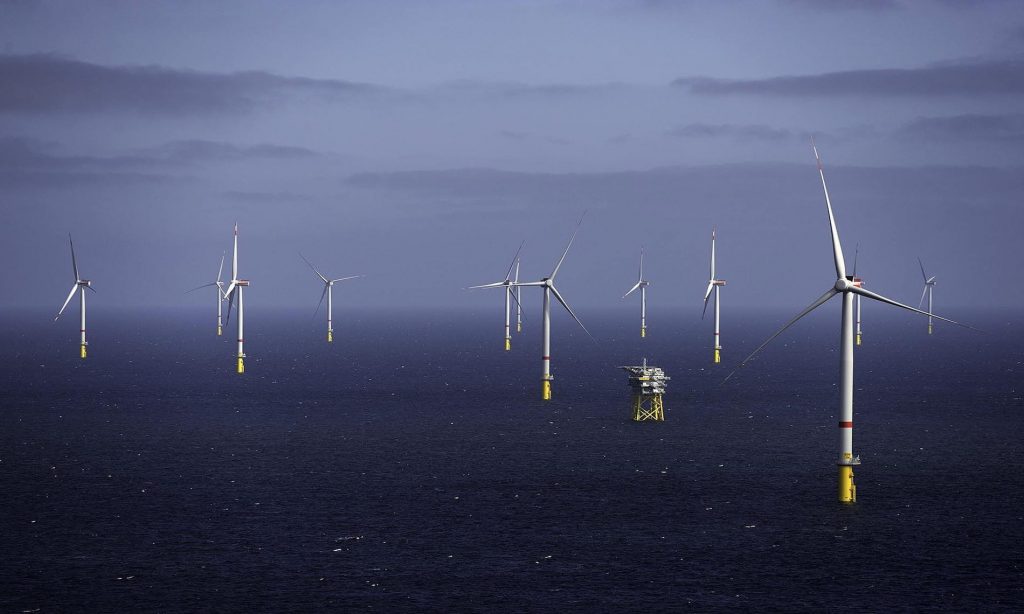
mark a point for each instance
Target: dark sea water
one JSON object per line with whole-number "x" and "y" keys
{"x": 412, "y": 465}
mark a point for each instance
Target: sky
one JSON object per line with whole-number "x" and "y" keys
{"x": 419, "y": 144}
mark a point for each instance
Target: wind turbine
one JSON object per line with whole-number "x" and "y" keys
{"x": 220, "y": 293}
{"x": 714, "y": 285}
{"x": 79, "y": 286}
{"x": 328, "y": 287}
{"x": 234, "y": 294}
{"x": 548, "y": 284}
{"x": 641, "y": 284}
{"x": 845, "y": 286}
{"x": 929, "y": 285}
{"x": 511, "y": 292}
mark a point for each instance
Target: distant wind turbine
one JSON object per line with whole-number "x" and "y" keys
{"x": 929, "y": 285}
{"x": 234, "y": 294}
{"x": 79, "y": 286}
{"x": 641, "y": 284}
{"x": 713, "y": 286}
{"x": 328, "y": 289}
{"x": 857, "y": 281}
{"x": 845, "y": 286}
{"x": 548, "y": 284}
{"x": 220, "y": 293}
{"x": 510, "y": 294}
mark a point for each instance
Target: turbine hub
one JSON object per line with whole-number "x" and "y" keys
{"x": 843, "y": 284}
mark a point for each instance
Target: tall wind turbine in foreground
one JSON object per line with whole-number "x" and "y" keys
{"x": 845, "y": 286}
{"x": 80, "y": 286}
{"x": 641, "y": 284}
{"x": 548, "y": 284}
{"x": 328, "y": 287}
{"x": 511, "y": 294}
{"x": 220, "y": 294}
{"x": 713, "y": 285}
{"x": 929, "y": 284}
{"x": 234, "y": 294}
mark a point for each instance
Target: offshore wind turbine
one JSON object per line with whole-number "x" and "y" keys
{"x": 929, "y": 284}
{"x": 548, "y": 284}
{"x": 641, "y": 284}
{"x": 845, "y": 286}
{"x": 713, "y": 286}
{"x": 511, "y": 294}
{"x": 328, "y": 288}
{"x": 234, "y": 294}
{"x": 79, "y": 286}
{"x": 220, "y": 294}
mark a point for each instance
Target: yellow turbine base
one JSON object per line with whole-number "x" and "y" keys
{"x": 847, "y": 489}
{"x": 330, "y": 336}
{"x": 508, "y": 344}
{"x": 643, "y": 331}
{"x": 546, "y": 390}
{"x": 858, "y": 338}
{"x": 519, "y": 327}
{"x": 929, "y": 329}
{"x": 83, "y": 350}
{"x": 718, "y": 356}
{"x": 241, "y": 365}
{"x": 219, "y": 331}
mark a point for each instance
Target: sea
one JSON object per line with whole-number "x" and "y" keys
{"x": 411, "y": 465}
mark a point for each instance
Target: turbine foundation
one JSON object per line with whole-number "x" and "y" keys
{"x": 508, "y": 344}
{"x": 847, "y": 489}
{"x": 718, "y": 355}
{"x": 220, "y": 330}
{"x": 858, "y": 338}
{"x": 241, "y": 363}
{"x": 546, "y": 389}
{"x": 83, "y": 352}
{"x": 648, "y": 384}
{"x": 643, "y": 332}
{"x": 330, "y": 336}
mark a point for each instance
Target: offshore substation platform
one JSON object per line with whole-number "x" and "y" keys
{"x": 648, "y": 384}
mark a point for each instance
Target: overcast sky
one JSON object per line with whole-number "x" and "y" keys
{"x": 419, "y": 143}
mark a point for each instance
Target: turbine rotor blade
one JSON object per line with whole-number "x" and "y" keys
{"x": 220, "y": 271}
{"x": 515, "y": 262}
{"x": 497, "y": 284}
{"x": 318, "y": 274}
{"x": 517, "y": 269}
{"x": 322, "y": 295}
{"x": 924, "y": 293}
{"x": 837, "y": 248}
{"x": 346, "y": 278}
{"x": 713, "y": 231}
{"x": 631, "y": 290}
{"x": 231, "y": 301}
{"x": 514, "y": 297}
{"x": 64, "y": 306}
{"x": 93, "y": 289}
{"x": 231, "y": 288}
{"x": 707, "y": 295}
{"x": 569, "y": 309}
{"x": 880, "y": 298}
{"x": 74, "y": 263}
{"x": 212, "y": 283}
{"x": 522, "y": 284}
{"x": 641, "y": 274}
{"x": 856, "y": 255}
{"x": 818, "y": 303}
{"x": 571, "y": 239}
{"x": 924, "y": 275}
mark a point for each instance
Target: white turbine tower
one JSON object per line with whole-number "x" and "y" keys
{"x": 548, "y": 284}
{"x": 845, "y": 286}
{"x": 220, "y": 294}
{"x": 641, "y": 284}
{"x": 929, "y": 285}
{"x": 328, "y": 290}
{"x": 713, "y": 286}
{"x": 233, "y": 294}
{"x": 79, "y": 286}
{"x": 511, "y": 294}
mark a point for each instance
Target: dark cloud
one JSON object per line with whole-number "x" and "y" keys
{"x": 39, "y": 84}
{"x": 980, "y": 78}
{"x": 27, "y": 162}
{"x": 527, "y": 90}
{"x": 994, "y": 128}
{"x": 747, "y": 132}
